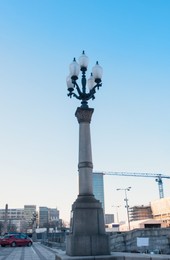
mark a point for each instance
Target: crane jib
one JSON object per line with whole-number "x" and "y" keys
{"x": 158, "y": 178}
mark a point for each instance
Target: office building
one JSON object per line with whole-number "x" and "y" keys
{"x": 29, "y": 210}
{"x": 53, "y": 214}
{"x": 43, "y": 217}
{"x": 98, "y": 187}
{"x": 12, "y": 214}
{"x": 12, "y": 219}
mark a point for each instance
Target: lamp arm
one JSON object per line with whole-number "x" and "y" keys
{"x": 76, "y": 96}
{"x": 78, "y": 89}
{"x": 98, "y": 85}
{"x": 92, "y": 91}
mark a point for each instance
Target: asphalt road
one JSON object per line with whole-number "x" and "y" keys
{"x": 35, "y": 252}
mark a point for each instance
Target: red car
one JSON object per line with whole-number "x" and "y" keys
{"x": 15, "y": 240}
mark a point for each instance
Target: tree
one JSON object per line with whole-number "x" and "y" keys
{"x": 11, "y": 227}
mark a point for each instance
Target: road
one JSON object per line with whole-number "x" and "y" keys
{"x": 35, "y": 252}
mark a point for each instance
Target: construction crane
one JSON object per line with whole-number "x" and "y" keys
{"x": 158, "y": 178}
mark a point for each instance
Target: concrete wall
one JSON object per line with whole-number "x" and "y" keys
{"x": 159, "y": 240}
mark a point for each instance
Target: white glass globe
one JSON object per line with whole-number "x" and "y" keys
{"x": 91, "y": 82}
{"x": 74, "y": 68}
{"x": 70, "y": 85}
{"x": 97, "y": 71}
{"x": 83, "y": 60}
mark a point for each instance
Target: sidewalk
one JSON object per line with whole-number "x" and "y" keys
{"x": 35, "y": 252}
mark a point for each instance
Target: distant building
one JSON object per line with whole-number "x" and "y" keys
{"x": 98, "y": 187}
{"x": 48, "y": 216}
{"x": 12, "y": 219}
{"x": 53, "y": 214}
{"x": 109, "y": 218}
{"x": 28, "y": 213}
{"x": 12, "y": 214}
{"x": 140, "y": 224}
{"x": 22, "y": 218}
{"x": 157, "y": 214}
{"x": 112, "y": 227}
{"x": 43, "y": 216}
{"x": 161, "y": 210}
{"x": 140, "y": 212}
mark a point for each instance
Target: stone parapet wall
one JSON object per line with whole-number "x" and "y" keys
{"x": 159, "y": 240}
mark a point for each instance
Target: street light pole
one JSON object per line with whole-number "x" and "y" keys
{"x": 88, "y": 236}
{"x": 126, "y": 204}
{"x": 117, "y": 214}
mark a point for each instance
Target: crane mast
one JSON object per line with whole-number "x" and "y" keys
{"x": 158, "y": 178}
{"x": 160, "y": 187}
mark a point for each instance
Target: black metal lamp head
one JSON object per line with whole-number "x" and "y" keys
{"x": 93, "y": 82}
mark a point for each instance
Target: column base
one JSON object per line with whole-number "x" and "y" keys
{"x": 88, "y": 236}
{"x": 87, "y": 245}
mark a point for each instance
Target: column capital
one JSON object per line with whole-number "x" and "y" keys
{"x": 84, "y": 114}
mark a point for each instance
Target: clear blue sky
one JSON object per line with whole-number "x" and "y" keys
{"x": 130, "y": 127}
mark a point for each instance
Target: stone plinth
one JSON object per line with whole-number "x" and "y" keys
{"x": 88, "y": 237}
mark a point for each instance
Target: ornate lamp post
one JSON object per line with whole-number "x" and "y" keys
{"x": 88, "y": 235}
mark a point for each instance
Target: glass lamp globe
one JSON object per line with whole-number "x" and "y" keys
{"x": 91, "y": 82}
{"x": 97, "y": 71}
{"x": 83, "y": 61}
{"x": 74, "y": 69}
{"x": 70, "y": 85}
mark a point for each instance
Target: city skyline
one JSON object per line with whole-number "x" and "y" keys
{"x": 130, "y": 128}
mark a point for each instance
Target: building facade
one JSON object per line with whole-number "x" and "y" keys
{"x": 98, "y": 187}
{"x": 47, "y": 216}
{"x": 29, "y": 210}
{"x": 53, "y": 214}
{"x": 140, "y": 212}
{"x": 161, "y": 210}
{"x": 22, "y": 218}
{"x": 13, "y": 220}
{"x": 17, "y": 214}
{"x": 43, "y": 217}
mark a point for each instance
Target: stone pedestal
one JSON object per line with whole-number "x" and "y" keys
{"x": 88, "y": 237}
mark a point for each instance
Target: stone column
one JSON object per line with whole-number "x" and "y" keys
{"x": 87, "y": 237}
{"x": 85, "y": 166}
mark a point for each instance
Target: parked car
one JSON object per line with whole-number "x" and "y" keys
{"x": 15, "y": 240}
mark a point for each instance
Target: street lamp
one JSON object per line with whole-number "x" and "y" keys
{"x": 94, "y": 81}
{"x": 126, "y": 203}
{"x": 84, "y": 114}
{"x": 117, "y": 214}
{"x": 88, "y": 236}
